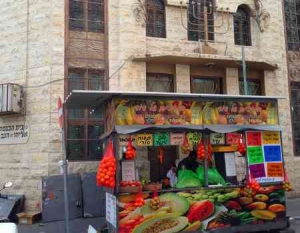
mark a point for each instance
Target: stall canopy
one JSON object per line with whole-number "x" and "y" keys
{"x": 129, "y": 112}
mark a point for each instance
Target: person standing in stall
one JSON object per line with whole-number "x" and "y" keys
{"x": 189, "y": 163}
{"x": 172, "y": 175}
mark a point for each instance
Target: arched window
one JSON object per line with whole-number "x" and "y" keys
{"x": 156, "y": 18}
{"x": 197, "y": 11}
{"x": 242, "y": 29}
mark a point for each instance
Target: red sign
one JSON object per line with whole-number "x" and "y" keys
{"x": 233, "y": 138}
{"x": 60, "y": 113}
{"x": 254, "y": 138}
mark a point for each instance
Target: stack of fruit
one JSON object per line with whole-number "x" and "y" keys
{"x": 130, "y": 186}
{"x": 139, "y": 200}
{"x": 155, "y": 203}
{"x": 128, "y": 226}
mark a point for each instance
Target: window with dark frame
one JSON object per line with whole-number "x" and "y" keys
{"x": 156, "y": 18}
{"x": 242, "y": 27}
{"x": 157, "y": 82}
{"x": 84, "y": 126}
{"x": 292, "y": 24}
{"x": 204, "y": 85}
{"x": 254, "y": 86}
{"x": 295, "y": 107}
{"x": 196, "y": 27}
{"x": 86, "y": 15}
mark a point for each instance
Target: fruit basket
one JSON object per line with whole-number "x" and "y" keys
{"x": 153, "y": 186}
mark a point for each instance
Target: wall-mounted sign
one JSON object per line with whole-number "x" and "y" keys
{"x": 254, "y": 138}
{"x": 111, "y": 213}
{"x": 145, "y": 139}
{"x": 128, "y": 170}
{"x": 124, "y": 139}
{"x": 271, "y": 138}
{"x": 230, "y": 164}
{"x": 17, "y": 133}
{"x": 217, "y": 138}
{"x": 194, "y": 138}
{"x": 233, "y": 138}
{"x": 161, "y": 139}
{"x": 176, "y": 138}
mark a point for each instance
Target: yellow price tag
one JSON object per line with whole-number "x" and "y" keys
{"x": 271, "y": 138}
{"x": 144, "y": 139}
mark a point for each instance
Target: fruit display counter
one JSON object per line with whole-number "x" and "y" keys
{"x": 239, "y": 180}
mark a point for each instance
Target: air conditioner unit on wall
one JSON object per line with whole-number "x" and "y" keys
{"x": 11, "y": 99}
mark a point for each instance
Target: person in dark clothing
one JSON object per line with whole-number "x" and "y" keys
{"x": 189, "y": 162}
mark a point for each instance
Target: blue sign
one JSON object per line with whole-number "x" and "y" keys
{"x": 272, "y": 153}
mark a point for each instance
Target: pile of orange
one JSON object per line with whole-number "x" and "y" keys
{"x": 106, "y": 172}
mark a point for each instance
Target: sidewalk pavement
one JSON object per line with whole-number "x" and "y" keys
{"x": 81, "y": 225}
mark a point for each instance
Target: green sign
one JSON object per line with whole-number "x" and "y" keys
{"x": 161, "y": 139}
{"x": 194, "y": 138}
{"x": 255, "y": 155}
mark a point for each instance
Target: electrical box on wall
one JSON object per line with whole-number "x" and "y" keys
{"x": 11, "y": 99}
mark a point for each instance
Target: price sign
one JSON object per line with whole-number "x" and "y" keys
{"x": 128, "y": 170}
{"x": 124, "y": 139}
{"x": 230, "y": 164}
{"x": 255, "y": 155}
{"x": 111, "y": 205}
{"x": 275, "y": 169}
{"x": 233, "y": 138}
{"x": 161, "y": 139}
{"x": 217, "y": 138}
{"x": 144, "y": 139}
{"x": 254, "y": 138}
{"x": 257, "y": 170}
{"x": 176, "y": 138}
{"x": 194, "y": 138}
{"x": 271, "y": 138}
{"x": 272, "y": 153}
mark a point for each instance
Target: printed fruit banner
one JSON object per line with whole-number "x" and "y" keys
{"x": 175, "y": 112}
{"x": 200, "y": 210}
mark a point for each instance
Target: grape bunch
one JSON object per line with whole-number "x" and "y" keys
{"x": 155, "y": 203}
{"x": 287, "y": 186}
{"x": 249, "y": 192}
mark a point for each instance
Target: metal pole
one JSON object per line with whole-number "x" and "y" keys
{"x": 205, "y": 25}
{"x": 65, "y": 167}
{"x": 244, "y": 71}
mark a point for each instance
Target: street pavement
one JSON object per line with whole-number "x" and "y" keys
{"x": 81, "y": 225}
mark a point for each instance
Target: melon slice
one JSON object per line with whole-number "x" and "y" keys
{"x": 168, "y": 223}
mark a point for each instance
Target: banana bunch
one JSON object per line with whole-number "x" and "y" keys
{"x": 196, "y": 113}
{"x": 210, "y": 114}
{"x": 124, "y": 114}
{"x": 272, "y": 114}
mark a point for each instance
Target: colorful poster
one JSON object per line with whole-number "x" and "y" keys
{"x": 257, "y": 170}
{"x": 201, "y": 210}
{"x": 272, "y": 153}
{"x": 161, "y": 139}
{"x": 253, "y": 138}
{"x": 176, "y": 139}
{"x": 217, "y": 138}
{"x": 255, "y": 155}
{"x": 233, "y": 138}
{"x": 145, "y": 139}
{"x": 178, "y": 112}
{"x": 275, "y": 169}
{"x": 271, "y": 138}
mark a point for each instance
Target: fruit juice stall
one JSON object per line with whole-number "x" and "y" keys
{"x": 239, "y": 180}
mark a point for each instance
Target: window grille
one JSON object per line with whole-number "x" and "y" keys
{"x": 204, "y": 85}
{"x": 295, "y": 106}
{"x": 242, "y": 28}
{"x": 292, "y": 23}
{"x": 160, "y": 82}
{"x": 156, "y": 19}
{"x": 254, "y": 86}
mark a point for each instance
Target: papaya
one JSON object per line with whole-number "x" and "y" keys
{"x": 245, "y": 200}
{"x": 200, "y": 211}
{"x": 257, "y": 206}
{"x": 162, "y": 223}
{"x": 276, "y": 208}
{"x": 263, "y": 214}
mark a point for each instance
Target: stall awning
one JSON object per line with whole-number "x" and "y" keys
{"x": 202, "y": 59}
{"x": 93, "y": 99}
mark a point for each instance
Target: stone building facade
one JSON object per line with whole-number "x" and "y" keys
{"x": 43, "y": 47}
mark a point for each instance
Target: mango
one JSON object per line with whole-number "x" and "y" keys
{"x": 261, "y": 197}
{"x": 257, "y": 206}
{"x": 276, "y": 208}
{"x": 245, "y": 200}
{"x": 263, "y": 214}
